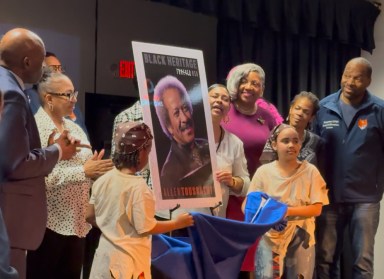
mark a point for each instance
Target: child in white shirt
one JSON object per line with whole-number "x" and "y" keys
{"x": 123, "y": 207}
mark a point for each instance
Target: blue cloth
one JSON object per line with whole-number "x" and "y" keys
{"x": 216, "y": 246}
{"x": 171, "y": 257}
{"x": 261, "y": 209}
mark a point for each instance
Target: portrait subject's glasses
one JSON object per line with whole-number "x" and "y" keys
{"x": 71, "y": 96}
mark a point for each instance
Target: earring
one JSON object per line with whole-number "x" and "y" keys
{"x": 226, "y": 119}
{"x": 50, "y": 106}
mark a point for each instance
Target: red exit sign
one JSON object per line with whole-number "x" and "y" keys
{"x": 126, "y": 69}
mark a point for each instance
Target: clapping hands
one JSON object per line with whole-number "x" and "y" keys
{"x": 94, "y": 167}
{"x": 69, "y": 145}
{"x": 97, "y": 166}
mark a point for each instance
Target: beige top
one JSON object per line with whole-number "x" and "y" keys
{"x": 124, "y": 210}
{"x": 305, "y": 187}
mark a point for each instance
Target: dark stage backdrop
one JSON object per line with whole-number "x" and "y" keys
{"x": 301, "y": 44}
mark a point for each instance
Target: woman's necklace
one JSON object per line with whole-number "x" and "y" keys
{"x": 220, "y": 139}
{"x": 248, "y": 111}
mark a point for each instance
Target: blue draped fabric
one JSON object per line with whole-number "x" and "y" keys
{"x": 216, "y": 246}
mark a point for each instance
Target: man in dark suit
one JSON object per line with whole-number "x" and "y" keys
{"x": 6, "y": 271}
{"x": 23, "y": 163}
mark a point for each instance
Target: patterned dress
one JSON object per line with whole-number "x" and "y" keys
{"x": 67, "y": 187}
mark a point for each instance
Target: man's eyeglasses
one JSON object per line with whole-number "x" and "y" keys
{"x": 56, "y": 68}
{"x": 71, "y": 96}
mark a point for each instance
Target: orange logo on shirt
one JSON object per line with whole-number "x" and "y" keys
{"x": 362, "y": 123}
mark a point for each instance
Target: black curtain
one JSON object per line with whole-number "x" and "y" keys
{"x": 301, "y": 44}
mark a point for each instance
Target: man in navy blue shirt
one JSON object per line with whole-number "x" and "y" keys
{"x": 351, "y": 122}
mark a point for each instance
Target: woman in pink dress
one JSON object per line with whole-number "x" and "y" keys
{"x": 251, "y": 123}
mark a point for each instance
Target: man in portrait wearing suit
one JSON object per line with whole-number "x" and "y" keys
{"x": 188, "y": 162}
{"x": 23, "y": 163}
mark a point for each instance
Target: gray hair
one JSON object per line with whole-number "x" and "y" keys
{"x": 47, "y": 81}
{"x": 217, "y": 85}
{"x": 241, "y": 71}
{"x": 168, "y": 82}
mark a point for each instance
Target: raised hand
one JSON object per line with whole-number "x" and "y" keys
{"x": 184, "y": 220}
{"x": 77, "y": 142}
{"x": 96, "y": 166}
{"x": 69, "y": 145}
{"x": 51, "y": 138}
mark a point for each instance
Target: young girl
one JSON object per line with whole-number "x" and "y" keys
{"x": 301, "y": 187}
{"x": 123, "y": 207}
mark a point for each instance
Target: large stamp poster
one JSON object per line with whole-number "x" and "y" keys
{"x": 174, "y": 98}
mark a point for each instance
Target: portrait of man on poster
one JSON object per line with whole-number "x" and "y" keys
{"x": 188, "y": 162}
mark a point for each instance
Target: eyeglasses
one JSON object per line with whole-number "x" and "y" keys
{"x": 71, "y": 96}
{"x": 56, "y": 68}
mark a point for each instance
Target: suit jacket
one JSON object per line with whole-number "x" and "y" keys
{"x": 6, "y": 271}
{"x": 23, "y": 166}
{"x": 182, "y": 169}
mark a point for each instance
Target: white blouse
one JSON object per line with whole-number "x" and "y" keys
{"x": 67, "y": 187}
{"x": 230, "y": 156}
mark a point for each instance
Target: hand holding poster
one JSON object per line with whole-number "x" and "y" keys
{"x": 173, "y": 95}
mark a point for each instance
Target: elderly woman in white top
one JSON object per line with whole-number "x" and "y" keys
{"x": 232, "y": 166}
{"x": 61, "y": 253}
